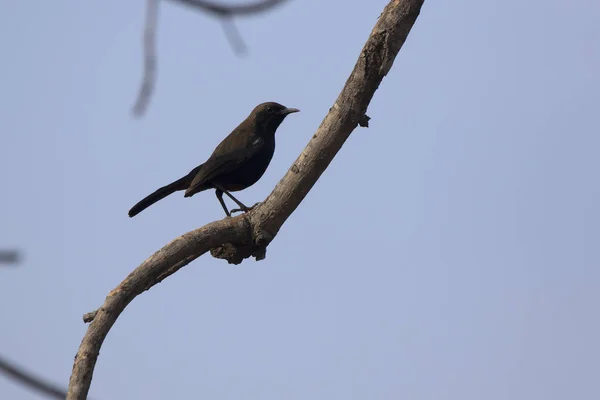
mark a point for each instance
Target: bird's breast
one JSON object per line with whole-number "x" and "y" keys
{"x": 250, "y": 171}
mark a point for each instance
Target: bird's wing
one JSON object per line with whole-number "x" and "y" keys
{"x": 225, "y": 163}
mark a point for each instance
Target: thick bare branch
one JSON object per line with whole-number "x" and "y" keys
{"x": 89, "y": 317}
{"x": 28, "y": 379}
{"x": 374, "y": 62}
{"x": 235, "y": 239}
{"x": 164, "y": 262}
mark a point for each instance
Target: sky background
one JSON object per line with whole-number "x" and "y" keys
{"x": 450, "y": 251}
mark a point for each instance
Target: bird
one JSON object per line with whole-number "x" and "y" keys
{"x": 237, "y": 163}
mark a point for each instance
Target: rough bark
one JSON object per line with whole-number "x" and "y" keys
{"x": 243, "y": 236}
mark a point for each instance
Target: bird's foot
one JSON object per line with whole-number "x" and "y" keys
{"x": 244, "y": 209}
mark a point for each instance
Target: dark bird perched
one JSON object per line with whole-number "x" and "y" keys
{"x": 237, "y": 163}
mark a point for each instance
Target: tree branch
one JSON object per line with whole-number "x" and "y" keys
{"x": 240, "y": 237}
{"x": 30, "y": 380}
{"x": 149, "y": 40}
{"x": 224, "y": 12}
{"x": 221, "y": 10}
{"x": 10, "y": 257}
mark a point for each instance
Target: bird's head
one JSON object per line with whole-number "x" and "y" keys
{"x": 268, "y": 116}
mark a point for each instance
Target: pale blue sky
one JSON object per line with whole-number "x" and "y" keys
{"x": 449, "y": 252}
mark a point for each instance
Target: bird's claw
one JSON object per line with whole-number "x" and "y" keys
{"x": 245, "y": 209}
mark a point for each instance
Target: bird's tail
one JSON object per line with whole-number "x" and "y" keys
{"x": 159, "y": 194}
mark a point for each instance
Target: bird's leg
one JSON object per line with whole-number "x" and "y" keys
{"x": 219, "y": 194}
{"x": 220, "y": 190}
{"x": 245, "y": 210}
{"x": 239, "y": 203}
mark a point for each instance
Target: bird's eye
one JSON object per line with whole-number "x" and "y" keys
{"x": 269, "y": 109}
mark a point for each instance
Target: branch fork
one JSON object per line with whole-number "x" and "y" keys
{"x": 246, "y": 235}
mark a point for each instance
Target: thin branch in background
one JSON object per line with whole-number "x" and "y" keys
{"x": 149, "y": 77}
{"x": 223, "y": 12}
{"x": 31, "y": 381}
{"x": 10, "y": 257}
{"x": 234, "y": 36}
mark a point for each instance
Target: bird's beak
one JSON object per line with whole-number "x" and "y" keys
{"x": 289, "y": 111}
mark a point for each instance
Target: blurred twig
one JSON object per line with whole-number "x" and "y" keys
{"x": 221, "y": 11}
{"x": 28, "y": 379}
{"x": 149, "y": 77}
{"x": 10, "y": 257}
